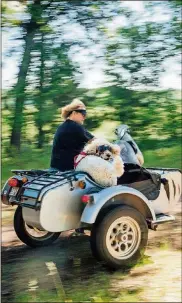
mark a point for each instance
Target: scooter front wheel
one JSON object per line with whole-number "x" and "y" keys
{"x": 30, "y": 235}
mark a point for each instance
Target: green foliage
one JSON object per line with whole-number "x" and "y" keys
{"x": 49, "y": 76}
{"x": 140, "y": 46}
{"x": 164, "y": 157}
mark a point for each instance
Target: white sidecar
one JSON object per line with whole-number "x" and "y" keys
{"x": 118, "y": 217}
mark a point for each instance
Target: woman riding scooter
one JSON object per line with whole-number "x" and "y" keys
{"x": 70, "y": 138}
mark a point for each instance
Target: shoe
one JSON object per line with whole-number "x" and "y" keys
{"x": 78, "y": 232}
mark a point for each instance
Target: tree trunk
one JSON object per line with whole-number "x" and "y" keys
{"x": 21, "y": 82}
{"x": 40, "y": 107}
{"x": 20, "y": 89}
{"x": 40, "y": 137}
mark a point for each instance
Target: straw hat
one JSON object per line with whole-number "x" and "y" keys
{"x": 75, "y": 104}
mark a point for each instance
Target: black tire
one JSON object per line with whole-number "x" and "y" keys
{"x": 21, "y": 230}
{"x": 103, "y": 250}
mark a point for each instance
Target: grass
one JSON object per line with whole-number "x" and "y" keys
{"x": 80, "y": 296}
{"x": 169, "y": 157}
{"x": 28, "y": 158}
{"x": 144, "y": 261}
{"x": 31, "y": 287}
{"x": 38, "y": 296}
{"x": 165, "y": 245}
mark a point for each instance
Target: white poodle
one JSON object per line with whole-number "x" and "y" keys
{"x": 101, "y": 160}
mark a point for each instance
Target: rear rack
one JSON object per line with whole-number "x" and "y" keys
{"x": 33, "y": 172}
{"x": 33, "y": 188}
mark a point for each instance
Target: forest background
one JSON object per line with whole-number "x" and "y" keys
{"x": 122, "y": 58}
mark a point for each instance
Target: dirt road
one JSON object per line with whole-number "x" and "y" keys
{"x": 67, "y": 272}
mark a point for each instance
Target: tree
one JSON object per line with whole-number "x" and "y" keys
{"x": 29, "y": 28}
{"x": 131, "y": 55}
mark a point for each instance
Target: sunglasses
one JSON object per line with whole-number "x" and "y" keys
{"x": 81, "y": 111}
{"x": 103, "y": 148}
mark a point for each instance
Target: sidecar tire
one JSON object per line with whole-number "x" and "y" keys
{"x": 132, "y": 240}
{"x": 25, "y": 237}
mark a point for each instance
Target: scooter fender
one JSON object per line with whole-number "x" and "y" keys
{"x": 131, "y": 197}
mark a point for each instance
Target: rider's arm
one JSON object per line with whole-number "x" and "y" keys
{"x": 87, "y": 137}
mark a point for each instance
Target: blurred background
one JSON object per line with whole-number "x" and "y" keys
{"x": 122, "y": 58}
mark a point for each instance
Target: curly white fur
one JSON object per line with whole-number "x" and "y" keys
{"x": 102, "y": 171}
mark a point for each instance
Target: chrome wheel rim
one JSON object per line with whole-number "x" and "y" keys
{"x": 123, "y": 238}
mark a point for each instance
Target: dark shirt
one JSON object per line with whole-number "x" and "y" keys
{"x": 69, "y": 140}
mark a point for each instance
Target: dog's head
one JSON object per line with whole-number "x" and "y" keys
{"x": 102, "y": 148}
{"x": 105, "y": 152}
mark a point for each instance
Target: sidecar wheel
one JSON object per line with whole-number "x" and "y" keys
{"x": 120, "y": 238}
{"x": 31, "y": 236}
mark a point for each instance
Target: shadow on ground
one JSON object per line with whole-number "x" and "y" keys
{"x": 66, "y": 270}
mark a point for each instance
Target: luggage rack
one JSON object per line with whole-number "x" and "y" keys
{"x": 33, "y": 188}
{"x": 39, "y": 172}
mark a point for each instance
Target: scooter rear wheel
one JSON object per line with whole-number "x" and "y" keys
{"x": 29, "y": 235}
